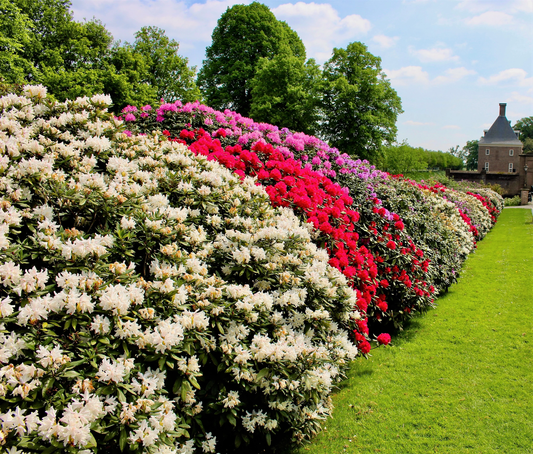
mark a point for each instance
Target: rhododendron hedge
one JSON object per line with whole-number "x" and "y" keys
{"x": 418, "y": 252}
{"x": 152, "y": 300}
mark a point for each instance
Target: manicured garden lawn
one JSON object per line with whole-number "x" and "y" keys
{"x": 459, "y": 379}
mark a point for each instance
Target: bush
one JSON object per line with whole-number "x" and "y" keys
{"x": 152, "y": 300}
{"x": 512, "y": 201}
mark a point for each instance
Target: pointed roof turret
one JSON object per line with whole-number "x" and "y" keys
{"x": 501, "y": 133}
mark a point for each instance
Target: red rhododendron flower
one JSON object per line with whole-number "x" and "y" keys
{"x": 391, "y": 245}
{"x": 364, "y": 347}
{"x": 384, "y": 339}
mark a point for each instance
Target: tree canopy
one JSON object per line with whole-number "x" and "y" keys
{"x": 41, "y": 43}
{"x": 166, "y": 70}
{"x": 243, "y": 36}
{"x": 14, "y": 38}
{"x": 359, "y": 106}
{"x": 471, "y": 150}
{"x": 285, "y": 92}
{"x": 525, "y": 126}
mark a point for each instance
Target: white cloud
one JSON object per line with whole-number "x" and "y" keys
{"x": 190, "y": 26}
{"x": 386, "y": 42}
{"x": 417, "y": 123}
{"x": 451, "y": 127}
{"x": 415, "y": 75}
{"x": 408, "y": 75}
{"x": 491, "y": 18}
{"x": 320, "y": 27}
{"x": 512, "y": 6}
{"x": 520, "y": 98}
{"x": 515, "y": 76}
{"x": 435, "y": 54}
{"x": 454, "y": 75}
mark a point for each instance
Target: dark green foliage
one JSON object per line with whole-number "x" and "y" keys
{"x": 285, "y": 93}
{"x": 41, "y": 43}
{"x": 166, "y": 70}
{"x": 525, "y": 126}
{"x": 471, "y": 149}
{"x": 243, "y": 36}
{"x": 14, "y": 37}
{"x": 359, "y": 105}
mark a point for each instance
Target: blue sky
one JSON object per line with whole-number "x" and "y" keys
{"x": 451, "y": 61}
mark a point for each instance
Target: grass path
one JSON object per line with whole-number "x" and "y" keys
{"x": 459, "y": 379}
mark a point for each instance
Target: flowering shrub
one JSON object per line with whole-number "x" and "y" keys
{"x": 152, "y": 301}
{"x": 314, "y": 197}
{"x": 402, "y": 286}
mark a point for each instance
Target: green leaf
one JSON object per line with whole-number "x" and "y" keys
{"x": 120, "y": 395}
{"x": 262, "y": 373}
{"x": 123, "y": 440}
{"x": 48, "y": 385}
{"x": 185, "y": 388}
{"x": 177, "y": 385}
{"x": 70, "y": 374}
{"x": 194, "y": 382}
{"x": 92, "y": 442}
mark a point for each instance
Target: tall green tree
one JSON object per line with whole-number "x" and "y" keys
{"x": 459, "y": 153}
{"x": 285, "y": 92}
{"x": 81, "y": 58}
{"x": 471, "y": 151}
{"x": 244, "y": 34}
{"x": 359, "y": 105}
{"x": 166, "y": 70}
{"x": 525, "y": 126}
{"x": 14, "y": 37}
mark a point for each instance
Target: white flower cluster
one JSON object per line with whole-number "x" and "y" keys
{"x": 447, "y": 212}
{"x": 141, "y": 280}
{"x": 473, "y": 208}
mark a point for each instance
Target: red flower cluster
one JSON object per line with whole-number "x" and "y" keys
{"x": 314, "y": 197}
{"x": 384, "y": 339}
{"x": 493, "y": 211}
{"x": 468, "y": 221}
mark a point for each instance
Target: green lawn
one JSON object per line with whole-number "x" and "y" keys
{"x": 459, "y": 379}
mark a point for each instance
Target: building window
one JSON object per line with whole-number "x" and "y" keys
{"x": 510, "y": 167}
{"x": 487, "y": 151}
{"x": 487, "y": 166}
{"x": 511, "y": 152}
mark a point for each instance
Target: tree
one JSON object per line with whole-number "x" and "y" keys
{"x": 403, "y": 158}
{"x": 285, "y": 92}
{"x": 244, "y": 34}
{"x": 359, "y": 106}
{"x": 460, "y": 153}
{"x": 14, "y": 37}
{"x": 168, "y": 72}
{"x": 525, "y": 126}
{"x": 43, "y": 44}
{"x": 528, "y": 145}
{"x": 471, "y": 152}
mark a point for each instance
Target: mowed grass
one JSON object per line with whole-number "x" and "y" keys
{"x": 459, "y": 379}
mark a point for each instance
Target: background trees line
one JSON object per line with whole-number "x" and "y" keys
{"x": 256, "y": 65}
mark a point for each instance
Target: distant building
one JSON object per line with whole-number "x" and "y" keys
{"x": 500, "y": 149}
{"x": 501, "y": 159}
